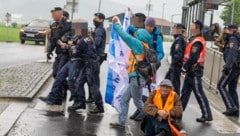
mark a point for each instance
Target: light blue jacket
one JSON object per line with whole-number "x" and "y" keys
{"x": 134, "y": 43}
{"x": 159, "y": 46}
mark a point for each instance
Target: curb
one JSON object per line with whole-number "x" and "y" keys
{"x": 15, "y": 109}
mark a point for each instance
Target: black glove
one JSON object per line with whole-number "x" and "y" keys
{"x": 226, "y": 71}
{"x": 49, "y": 56}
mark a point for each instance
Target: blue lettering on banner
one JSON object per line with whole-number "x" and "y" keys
{"x": 117, "y": 79}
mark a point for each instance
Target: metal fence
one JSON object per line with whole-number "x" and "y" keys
{"x": 213, "y": 67}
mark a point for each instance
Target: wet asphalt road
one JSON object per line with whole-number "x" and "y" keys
{"x": 16, "y": 54}
{"x": 38, "y": 121}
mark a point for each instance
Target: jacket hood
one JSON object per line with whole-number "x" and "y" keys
{"x": 143, "y": 35}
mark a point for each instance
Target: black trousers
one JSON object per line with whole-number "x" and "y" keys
{"x": 89, "y": 74}
{"x": 174, "y": 74}
{"x": 59, "y": 62}
{"x": 194, "y": 83}
{"x": 229, "y": 95}
{"x": 151, "y": 126}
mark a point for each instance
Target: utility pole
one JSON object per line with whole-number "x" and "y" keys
{"x": 8, "y": 19}
{"x": 99, "y": 6}
{"x": 163, "y": 6}
{"x": 71, "y": 6}
{"x": 149, "y": 6}
{"x": 73, "y": 9}
{"x": 233, "y": 8}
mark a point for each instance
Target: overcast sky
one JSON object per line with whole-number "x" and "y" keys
{"x": 32, "y": 9}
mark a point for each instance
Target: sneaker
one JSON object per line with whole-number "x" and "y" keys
{"x": 139, "y": 117}
{"x": 203, "y": 119}
{"x": 90, "y": 100}
{"x": 97, "y": 110}
{"x": 134, "y": 115}
{"x": 116, "y": 125}
{"x": 77, "y": 106}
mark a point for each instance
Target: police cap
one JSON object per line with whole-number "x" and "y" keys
{"x": 180, "y": 26}
{"x": 56, "y": 9}
{"x": 232, "y": 26}
{"x": 100, "y": 15}
{"x": 199, "y": 23}
{"x": 65, "y": 14}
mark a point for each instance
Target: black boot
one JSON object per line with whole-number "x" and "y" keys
{"x": 97, "y": 110}
{"x": 77, "y": 106}
{"x": 50, "y": 101}
{"x": 203, "y": 119}
{"x": 232, "y": 112}
{"x": 90, "y": 100}
{"x": 42, "y": 98}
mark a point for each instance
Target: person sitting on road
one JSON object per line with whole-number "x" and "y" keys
{"x": 161, "y": 105}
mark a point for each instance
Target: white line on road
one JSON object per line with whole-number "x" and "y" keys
{"x": 10, "y": 115}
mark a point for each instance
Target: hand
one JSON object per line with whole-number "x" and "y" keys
{"x": 163, "y": 114}
{"x": 226, "y": 71}
{"x": 115, "y": 19}
{"x": 62, "y": 45}
{"x": 49, "y": 56}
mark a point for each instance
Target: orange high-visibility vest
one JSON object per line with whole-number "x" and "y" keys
{"x": 169, "y": 104}
{"x": 132, "y": 60}
{"x": 188, "y": 50}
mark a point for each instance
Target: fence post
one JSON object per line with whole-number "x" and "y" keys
{"x": 212, "y": 70}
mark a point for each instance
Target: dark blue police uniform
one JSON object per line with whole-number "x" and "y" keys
{"x": 230, "y": 77}
{"x": 177, "y": 54}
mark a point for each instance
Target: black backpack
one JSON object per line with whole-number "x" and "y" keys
{"x": 149, "y": 65}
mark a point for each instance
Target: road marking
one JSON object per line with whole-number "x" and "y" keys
{"x": 220, "y": 122}
{"x": 10, "y": 115}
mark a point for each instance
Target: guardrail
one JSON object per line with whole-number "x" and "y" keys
{"x": 213, "y": 67}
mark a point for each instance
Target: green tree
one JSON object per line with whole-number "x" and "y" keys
{"x": 227, "y": 13}
{"x": 14, "y": 24}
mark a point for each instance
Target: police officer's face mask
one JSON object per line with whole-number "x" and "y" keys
{"x": 96, "y": 23}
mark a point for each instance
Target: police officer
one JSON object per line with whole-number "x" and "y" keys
{"x": 194, "y": 58}
{"x": 88, "y": 74}
{"x": 177, "y": 54}
{"x": 59, "y": 28}
{"x": 99, "y": 39}
{"x": 230, "y": 72}
{"x": 70, "y": 69}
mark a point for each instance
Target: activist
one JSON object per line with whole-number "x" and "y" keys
{"x": 162, "y": 107}
{"x": 156, "y": 43}
{"x": 136, "y": 81}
